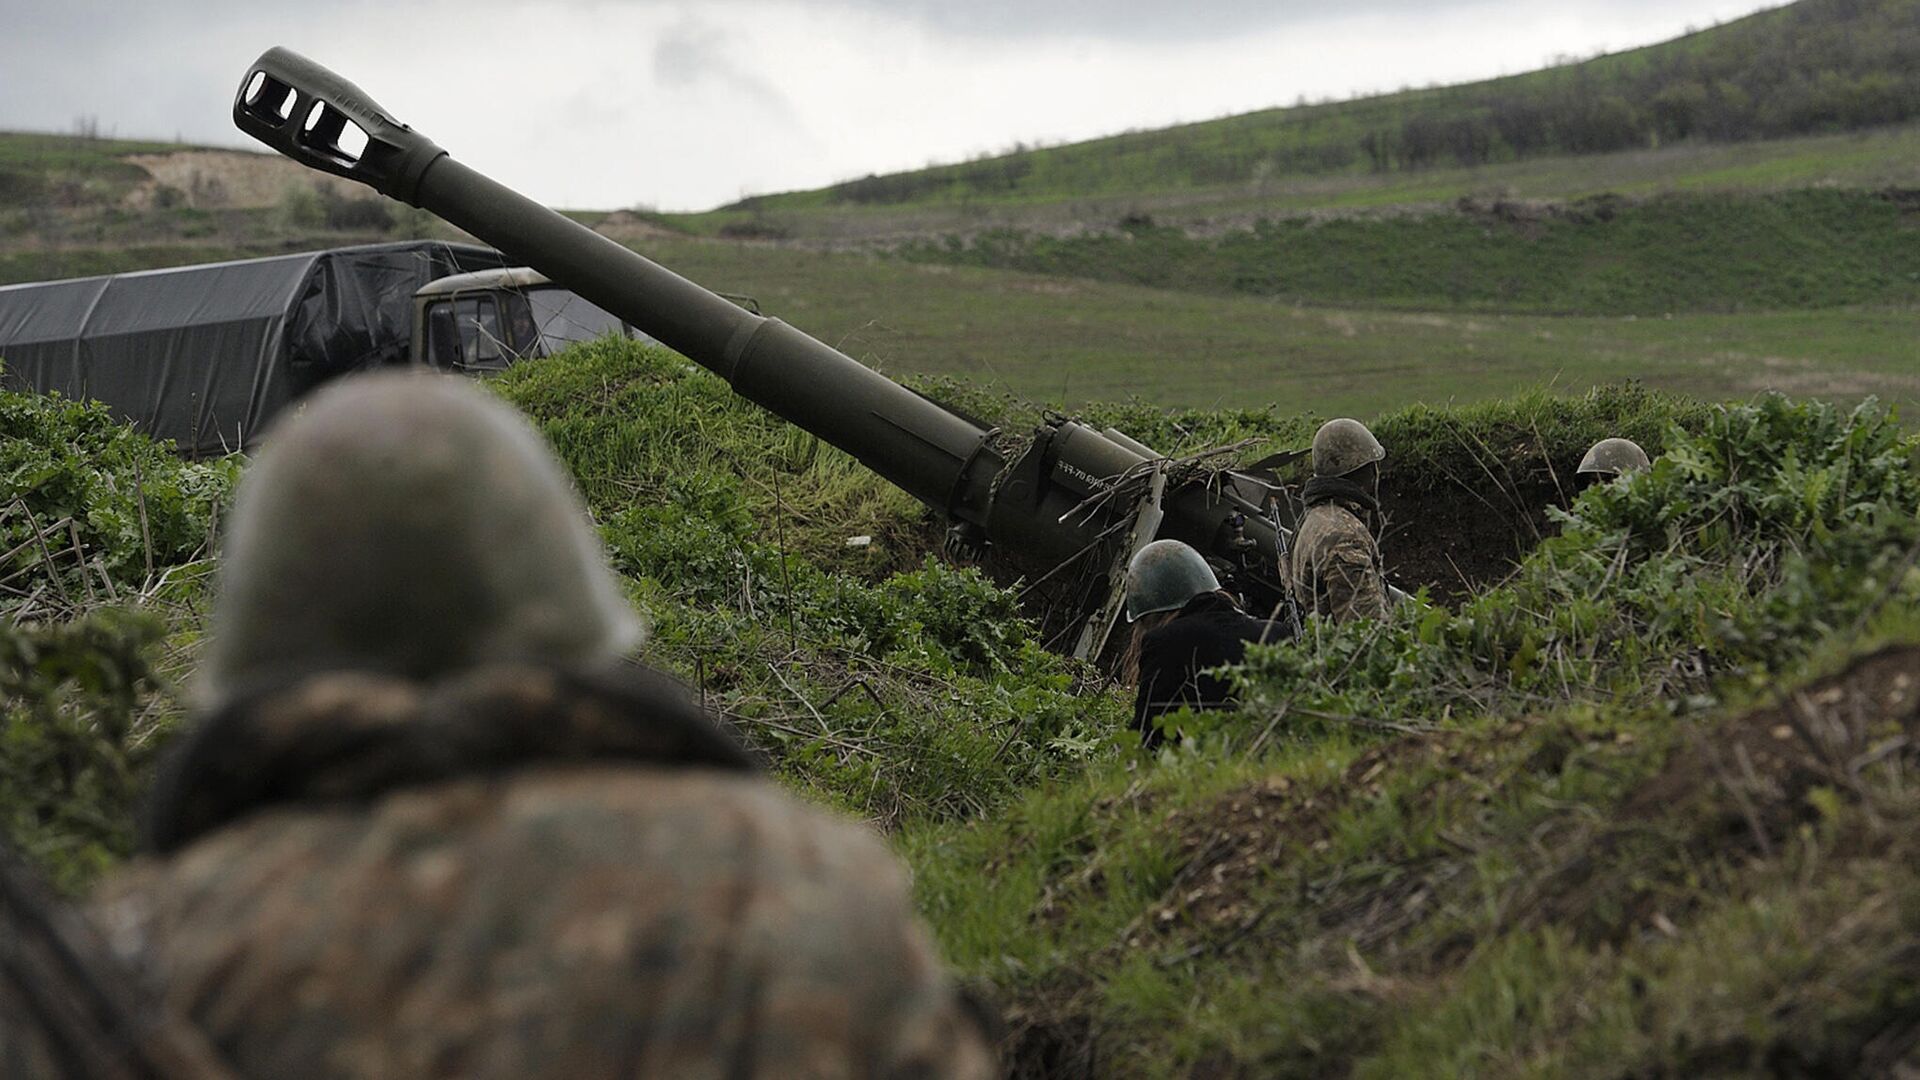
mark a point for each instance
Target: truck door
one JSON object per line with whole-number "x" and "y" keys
{"x": 464, "y": 334}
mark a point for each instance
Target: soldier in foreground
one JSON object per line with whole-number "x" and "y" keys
{"x": 1336, "y": 572}
{"x": 1610, "y": 459}
{"x": 1183, "y": 627}
{"x": 430, "y": 824}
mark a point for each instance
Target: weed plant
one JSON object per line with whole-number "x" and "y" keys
{"x": 105, "y": 548}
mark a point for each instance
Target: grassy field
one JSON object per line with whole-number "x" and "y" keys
{"x": 1783, "y": 251}
{"x": 1068, "y": 342}
{"x": 1872, "y": 159}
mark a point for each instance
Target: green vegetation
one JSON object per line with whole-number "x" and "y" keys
{"x": 1876, "y": 160}
{"x": 1068, "y": 342}
{"x": 65, "y": 170}
{"x": 1536, "y": 832}
{"x": 874, "y": 678}
{"x": 1813, "y": 66}
{"x": 1523, "y": 838}
{"x": 1806, "y": 249}
{"x": 21, "y": 266}
{"x": 105, "y": 548}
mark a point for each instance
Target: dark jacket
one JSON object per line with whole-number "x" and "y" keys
{"x": 1209, "y": 632}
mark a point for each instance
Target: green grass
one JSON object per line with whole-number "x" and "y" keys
{"x": 1786, "y": 251}
{"x": 1871, "y": 160}
{"x": 43, "y": 168}
{"x": 1070, "y": 342}
{"x": 1554, "y": 877}
{"x": 43, "y": 265}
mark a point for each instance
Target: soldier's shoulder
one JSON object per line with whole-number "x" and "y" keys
{"x": 1328, "y": 523}
{"x": 552, "y": 824}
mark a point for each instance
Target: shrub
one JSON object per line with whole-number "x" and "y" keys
{"x": 74, "y": 749}
{"x": 90, "y": 509}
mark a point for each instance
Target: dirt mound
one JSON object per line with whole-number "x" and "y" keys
{"x": 1457, "y": 542}
{"x": 628, "y": 227}
{"x": 1698, "y": 818}
{"x": 1227, "y": 847}
{"x": 1826, "y": 733}
{"x": 225, "y": 179}
{"x": 1735, "y": 792}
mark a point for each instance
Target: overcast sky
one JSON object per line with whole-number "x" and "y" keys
{"x": 682, "y": 106}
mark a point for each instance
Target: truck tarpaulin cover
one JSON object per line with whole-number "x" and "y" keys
{"x": 205, "y": 355}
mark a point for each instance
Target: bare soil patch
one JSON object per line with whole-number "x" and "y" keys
{"x": 225, "y": 179}
{"x": 1457, "y": 541}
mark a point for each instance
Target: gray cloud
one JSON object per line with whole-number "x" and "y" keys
{"x": 693, "y": 54}
{"x": 1150, "y": 21}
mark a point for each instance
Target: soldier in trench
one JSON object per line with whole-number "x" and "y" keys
{"x": 1184, "y": 626}
{"x": 1610, "y": 459}
{"x": 1336, "y": 569}
{"x": 431, "y": 823}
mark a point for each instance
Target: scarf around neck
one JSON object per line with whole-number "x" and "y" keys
{"x": 1324, "y": 489}
{"x": 351, "y": 737}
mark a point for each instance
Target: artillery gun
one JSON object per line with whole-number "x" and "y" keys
{"x": 1067, "y": 503}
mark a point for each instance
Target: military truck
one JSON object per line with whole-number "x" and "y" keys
{"x": 207, "y": 355}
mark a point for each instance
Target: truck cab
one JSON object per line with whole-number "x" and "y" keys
{"x": 486, "y": 319}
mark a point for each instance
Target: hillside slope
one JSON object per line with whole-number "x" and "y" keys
{"x": 1811, "y": 66}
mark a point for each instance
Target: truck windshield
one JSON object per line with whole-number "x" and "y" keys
{"x": 564, "y": 318}
{"x": 464, "y": 334}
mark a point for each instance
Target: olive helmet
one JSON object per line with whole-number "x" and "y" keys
{"x": 414, "y": 525}
{"x": 1613, "y": 457}
{"x": 1163, "y": 576}
{"x": 1343, "y": 445}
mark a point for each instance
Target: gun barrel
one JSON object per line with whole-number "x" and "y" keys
{"x": 1030, "y": 506}
{"x": 304, "y": 111}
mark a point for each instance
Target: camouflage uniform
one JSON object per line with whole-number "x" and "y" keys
{"x": 432, "y": 825}
{"x": 524, "y": 872}
{"x": 1336, "y": 567}
{"x": 1336, "y": 571}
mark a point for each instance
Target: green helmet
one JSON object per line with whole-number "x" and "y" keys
{"x": 411, "y": 524}
{"x": 1613, "y": 457}
{"x": 1343, "y": 445}
{"x": 1163, "y": 576}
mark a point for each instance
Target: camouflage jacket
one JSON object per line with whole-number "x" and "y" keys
{"x": 1336, "y": 568}
{"x": 521, "y": 873}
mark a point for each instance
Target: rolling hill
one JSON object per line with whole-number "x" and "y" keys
{"x": 1810, "y": 67}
